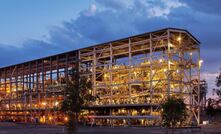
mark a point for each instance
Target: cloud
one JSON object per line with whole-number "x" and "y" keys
{"x": 207, "y": 6}
{"x": 148, "y": 8}
{"x": 31, "y": 49}
{"x": 107, "y": 20}
{"x": 114, "y": 4}
{"x": 164, "y": 8}
{"x": 91, "y": 11}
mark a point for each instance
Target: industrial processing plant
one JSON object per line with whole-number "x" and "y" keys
{"x": 131, "y": 77}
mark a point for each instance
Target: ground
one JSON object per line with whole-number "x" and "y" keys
{"x": 12, "y": 128}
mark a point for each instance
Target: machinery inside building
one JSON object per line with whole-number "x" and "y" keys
{"x": 131, "y": 76}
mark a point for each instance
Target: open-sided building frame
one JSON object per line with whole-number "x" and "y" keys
{"x": 130, "y": 76}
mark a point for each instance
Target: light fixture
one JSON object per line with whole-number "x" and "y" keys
{"x": 66, "y": 118}
{"x": 177, "y": 70}
{"x": 200, "y": 63}
{"x": 44, "y": 103}
{"x": 179, "y": 38}
{"x": 190, "y": 54}
{"x": 50, "y": 118}
{"x": 56, "y": 103}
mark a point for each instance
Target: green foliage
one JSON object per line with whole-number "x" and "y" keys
{"x": 174, "y": 112}
{"x": 217, "y": 102}
{"x": 76, "y": 95}
{"x": 210, "y": 111}
{"x": 218, "y": 85}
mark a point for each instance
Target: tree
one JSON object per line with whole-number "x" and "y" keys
{"x": 210, "y": 111}
{"x": 203, "y": 92}
{"x": 174, "y": 112}
{"x": 77, "y": 94}
{"x": 217, "y": 91}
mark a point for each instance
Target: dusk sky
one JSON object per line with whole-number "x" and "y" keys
{"x": 31, "y": 29}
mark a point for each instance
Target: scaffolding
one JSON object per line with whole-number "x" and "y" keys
{"x": 130, "y": 76}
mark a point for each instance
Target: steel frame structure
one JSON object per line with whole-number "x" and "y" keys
{"x": 130, "y": 76}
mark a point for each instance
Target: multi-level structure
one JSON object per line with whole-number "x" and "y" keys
{"x": 131, "y": 76}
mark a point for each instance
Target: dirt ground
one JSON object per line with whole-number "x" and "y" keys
{"x": 12, "y": 128}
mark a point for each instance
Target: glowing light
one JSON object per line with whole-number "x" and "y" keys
{"x": 164, "y": 70}
{"x": 179, "y": 38}
{"x": 177, "y": 70}
{"x": 66, "y": 118}
{"x": 190, "y": 54}
{"x": 19, "y": 105}
{"x": 160, "y": 60}
{"x": 171, "y": 45}
{"x": 200, "y": 62}
{"x": 56, "y": 103}
{"x": 50, "y": 118}
{"x": 42, "y": 119}
{"x": 170, "y": 62}
{"x": 105, "y": 75}
{"x": 8, "y": 91}
{"x": 44, "y": 103}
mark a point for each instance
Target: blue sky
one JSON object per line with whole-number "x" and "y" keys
{"x": 31, "y": 29}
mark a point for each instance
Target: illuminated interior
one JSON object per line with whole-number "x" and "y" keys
{"x": 131, "y": 78}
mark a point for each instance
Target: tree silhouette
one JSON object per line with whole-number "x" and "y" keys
{"x": 174, "y": 112}
{"x": 77, "y": 94}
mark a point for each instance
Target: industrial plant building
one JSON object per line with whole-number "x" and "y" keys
{"x": 131, "y": 77}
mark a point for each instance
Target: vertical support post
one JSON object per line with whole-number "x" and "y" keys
{"x": 16, "y": 81}
{"x": 23, "y": 90}
{"x": 168, "y": 63}
{"x": 5, "y": 81}
{"x": 51, "y": 70}
{"x": 36, "y": 64}
{"x": 151, "y": 72}
{"x": 10, "y": 83}
{"x": 57, "y": 68}
{"x": 66, "y": 68}
{"x": 94, "y": 71}
{"x": 111, "y": 74}
{"x": 191, "y": 90}
{"x": 111, "y": 80}
{"x": 10, "y": 87}
{"x": 37, "y": 90}
{"x": 181, "y": 71}
{"x": 43, "y": 76}
{"x": 198, "y": 92}
{"x": 79, "y": 61}
{"x": 130, "y": 78}
{"x": 5, "y": 114}
{"x": 130, "y": 68}
{"x": 29, "y": 77}
{"x": 29, "y": 88}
